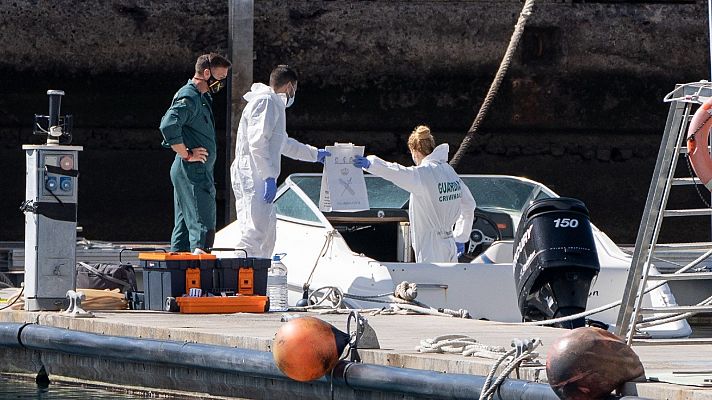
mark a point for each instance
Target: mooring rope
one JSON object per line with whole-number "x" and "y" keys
{"x": 523, "y": 351}
{"x": 494, "y": 87}
{"x": 459, "y": 344}
{"x": 406, "y": 291}
{"x": 330, "y": 299}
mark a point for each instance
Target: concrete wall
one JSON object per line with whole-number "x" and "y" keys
{"x": 580, "y": 109}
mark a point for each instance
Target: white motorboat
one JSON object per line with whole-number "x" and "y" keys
{"x": 368, "y": 253}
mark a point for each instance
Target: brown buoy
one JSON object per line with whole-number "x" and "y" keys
{"x": 589, "y": 363}
{"x": 307, "y": 348}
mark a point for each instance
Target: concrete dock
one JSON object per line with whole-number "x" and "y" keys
{"x": 398, "y": 336}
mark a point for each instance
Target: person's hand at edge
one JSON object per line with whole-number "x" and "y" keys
{"x": 270, "y": 190}
{"x": 460, "y": 248}
{"x": 321, "y": 154}
{"x": 361, "y": 162}
{"x": 198, "y": 154}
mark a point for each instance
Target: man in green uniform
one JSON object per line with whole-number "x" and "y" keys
{"x": 188, "y": 127}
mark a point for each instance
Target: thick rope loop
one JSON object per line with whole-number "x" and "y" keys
{"x": 406, "y": 291}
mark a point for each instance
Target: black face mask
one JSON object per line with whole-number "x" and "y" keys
{"x": 215, "y": 85}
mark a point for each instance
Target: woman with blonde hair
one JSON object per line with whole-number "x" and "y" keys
{"x": 441, "y": 206}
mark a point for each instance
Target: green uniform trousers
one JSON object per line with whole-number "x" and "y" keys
{"x": 194, "y": 206}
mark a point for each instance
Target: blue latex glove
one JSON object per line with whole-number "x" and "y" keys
{"x": 460, "y": 248}
{"x": 270, "y": 190}
{"x": 321, "y": 154}
{"x": 361, "y": 162}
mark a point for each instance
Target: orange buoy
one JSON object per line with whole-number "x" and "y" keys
{"x": 697, "y": 136}
{"x": 588, "y": 363}
{"x": 307, "y": 348}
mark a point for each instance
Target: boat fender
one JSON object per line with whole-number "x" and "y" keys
{"x": 308, "y": 348}
{"x": 589, "y": 363}
{"x": 697, "y": 138}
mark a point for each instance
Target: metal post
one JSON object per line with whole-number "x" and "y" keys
{"x": 240, "y": 43}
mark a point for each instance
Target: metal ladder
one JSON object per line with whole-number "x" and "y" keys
{"x": 683, "y": 101}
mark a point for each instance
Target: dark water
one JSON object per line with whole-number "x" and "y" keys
{"x": 18, "y": 388}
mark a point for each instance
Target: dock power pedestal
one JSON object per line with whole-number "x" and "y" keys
{"x": 50, "y": 209}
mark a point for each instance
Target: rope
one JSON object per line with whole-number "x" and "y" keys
{"x": 694, "y": 180}
{"x": 522, "y": 352}
{"x": 14, "y": 299}
{"x": 329, "y": 299}
{"x": 406, "y": 291}
{"x": 406, "y": 308}
{"x": 459, "y": 344}
{"x": 494, "y": 87}
{"x": 329, "y": 238}
{"x": 333, "y": 294}
{"x": 659, "y": 320}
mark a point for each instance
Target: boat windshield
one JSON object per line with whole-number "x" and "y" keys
{"x": 490, "y": 192}
{"x": 503, "y": 192}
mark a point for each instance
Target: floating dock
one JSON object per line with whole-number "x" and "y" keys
{"x": 398, "y": 336}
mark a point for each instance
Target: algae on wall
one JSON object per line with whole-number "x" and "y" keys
{"x": 585, "y": 87}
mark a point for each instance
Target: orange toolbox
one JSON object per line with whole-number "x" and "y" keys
{"x": 172, "y": 275}
{"x": 223, "y": 304}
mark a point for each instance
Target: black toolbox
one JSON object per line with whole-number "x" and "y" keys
{"x": 172, "y": 275}
{"x": 241, "y": 275}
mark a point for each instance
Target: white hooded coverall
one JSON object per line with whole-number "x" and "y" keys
{"x": 260, "y": 142}
{"x": 439, "y": 199}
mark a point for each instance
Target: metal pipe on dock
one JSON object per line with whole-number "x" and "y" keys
{"x": 260, "y": 364}
{"x": 10, "y": 335}
{"x": 163, "y": 352}
{"x": 433, "y": 385}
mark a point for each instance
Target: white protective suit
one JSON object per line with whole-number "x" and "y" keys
{"x": 439, "y": 199}
{"x": 260, "y": 142}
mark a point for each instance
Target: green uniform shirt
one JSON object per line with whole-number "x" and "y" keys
{"x": 190, "y": 121}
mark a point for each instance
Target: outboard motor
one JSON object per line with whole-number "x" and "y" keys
{"x": 555, "y": 260}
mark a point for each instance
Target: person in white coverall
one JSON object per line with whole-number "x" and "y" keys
{"x": 261, "y": 140}
{"x": 439, "y": 199}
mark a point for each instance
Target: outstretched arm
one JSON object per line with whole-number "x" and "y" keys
{"x": 406, "y": 178}
{"x": 297, "y": 150}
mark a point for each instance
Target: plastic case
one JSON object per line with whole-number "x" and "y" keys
{"x": 242, "y": 275}
{"x": 223, "y": 305}
{"x": 173, "y": 274}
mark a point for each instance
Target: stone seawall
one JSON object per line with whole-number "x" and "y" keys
{"x": 583, "y": 97}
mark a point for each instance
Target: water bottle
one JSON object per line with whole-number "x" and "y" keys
{"x": 277, "y": 284}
